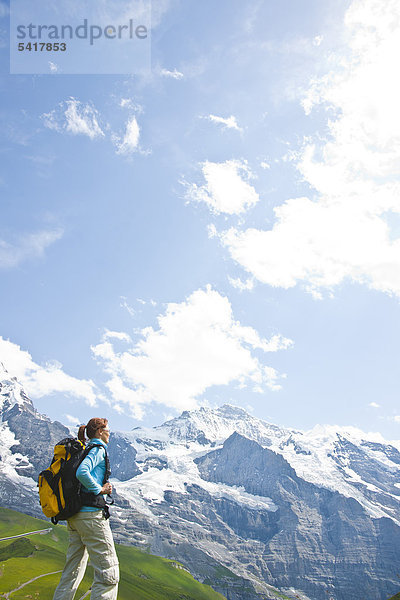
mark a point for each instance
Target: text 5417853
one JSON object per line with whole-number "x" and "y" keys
{"x": 42, "y": 47}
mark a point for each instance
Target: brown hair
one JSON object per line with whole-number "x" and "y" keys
{"x": 91, "y": 428}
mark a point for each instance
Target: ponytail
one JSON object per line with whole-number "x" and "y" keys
{"x": 81, "y": 434}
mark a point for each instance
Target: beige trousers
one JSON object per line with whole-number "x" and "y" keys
{"x": 89, "y": 536}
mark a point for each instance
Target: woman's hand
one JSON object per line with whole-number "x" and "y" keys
{"x": 107, "y": 488}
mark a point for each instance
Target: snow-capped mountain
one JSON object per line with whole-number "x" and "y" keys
{"x": 315, "y": 514}
{"x": 342, "y": 459}
{"x": 11, "y": 392}
{"x": 26, "y": 438}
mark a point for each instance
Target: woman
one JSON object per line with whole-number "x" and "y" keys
{"x": 89, "y": 530}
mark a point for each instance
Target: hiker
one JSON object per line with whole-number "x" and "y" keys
{"x": 89, "y": 530}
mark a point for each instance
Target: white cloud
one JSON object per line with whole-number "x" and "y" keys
{"x": 173, "y": 74}
{"x": 241, "y": 285}
{"x": 54, "y": 68}
{"x": 74, "y": 421}
{"x": 125, "y": 103}
{"x": 212, "y": 231}
{"x": 130, "y": 140}
{"x": 30, "y": 246}
{"x": 228, "y": 123}
{"x": 40, "y": 381}
{"x": 196, "y": 345}
{"x": 124, "y": 304}
{"x": 396, "y": 418}
{"x": 146, "y": 302}
{"x": 374, "y": 405}
{"x": 77, "y": 118}
{"x": 273, "y": 377}
{"x": 117, "y": 335}
{"x": 130, "y": 104}
{"x": 74, "y": 117}
{"x": 345, "y": 232}
{"x": 319, "y": 244}
{"x": 227, "y": 188}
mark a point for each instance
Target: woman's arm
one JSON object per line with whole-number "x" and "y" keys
{"x": 84, "y": 471}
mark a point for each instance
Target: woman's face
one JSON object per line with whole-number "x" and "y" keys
{"x": 104, "y": 435}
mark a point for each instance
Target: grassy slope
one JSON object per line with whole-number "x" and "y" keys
{"x": 143, "y": 576}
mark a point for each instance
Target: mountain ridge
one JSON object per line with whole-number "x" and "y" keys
{"x": 312, "y": 514}
{"x": 315, "y": 455}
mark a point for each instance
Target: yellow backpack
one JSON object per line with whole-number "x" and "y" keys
{"x": 59, "y": 489}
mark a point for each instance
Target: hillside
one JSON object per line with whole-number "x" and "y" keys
{"x": 143, "y": 576}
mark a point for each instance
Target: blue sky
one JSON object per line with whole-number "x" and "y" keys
{"x": 224, "y": 228}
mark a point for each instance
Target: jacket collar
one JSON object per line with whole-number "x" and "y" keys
{"x": 96, "y": 442}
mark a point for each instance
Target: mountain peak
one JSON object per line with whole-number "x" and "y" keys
{"x": 12, "y": 393}
{"x": 231, "y": 410}
{"x": 207, "y": 426}
{"x": 203, "y": 413}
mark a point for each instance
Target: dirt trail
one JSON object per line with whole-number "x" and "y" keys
{"x": 8, "y": 594}
{"x": 39, "y": 531}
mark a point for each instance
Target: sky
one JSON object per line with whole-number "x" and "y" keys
{"x": 223, "y": 228}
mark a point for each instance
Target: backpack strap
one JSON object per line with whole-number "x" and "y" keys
{"x": 107, "y": 474}
{"x": 88, "y": 448}
{"x": 90, "y": 499}
{"x": 109, "y": 500}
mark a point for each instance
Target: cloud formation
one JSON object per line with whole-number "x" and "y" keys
{"x": 39, "y": 380}
{"x": 130, "y": 104}
{"x": 237, "y": 283}
{"x": 227, "y": 189}
{"x": 228, "y": 123}
{"x": 347, "y": 231}
{"x": 172, "y": 74}
{"x": 73, "y": 421}
{"x": 74, "y": 117}
{"x": 197, "y": 345}
{"x": 77, "y": 118}
{"x": 27, "y": 247}
{"x": 130, "y": 141}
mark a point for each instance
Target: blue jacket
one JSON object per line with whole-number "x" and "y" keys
{"x": 91, "y": 471}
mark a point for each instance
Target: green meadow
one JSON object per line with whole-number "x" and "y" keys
{"x": 143, "y": 576}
